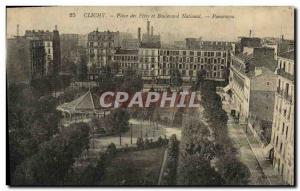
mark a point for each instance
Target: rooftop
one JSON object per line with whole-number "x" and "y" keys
{"x": 289, "y": 55}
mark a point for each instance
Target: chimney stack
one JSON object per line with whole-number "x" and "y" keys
{"x": 250, "y": 33}
{"x": 148, "y": 28}
{"x": 139, "y": 34}
{"x": 151, "y": 30}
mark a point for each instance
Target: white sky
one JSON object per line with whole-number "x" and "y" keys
{"x": 263, "y": 21}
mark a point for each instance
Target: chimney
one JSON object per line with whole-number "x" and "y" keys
{"x": 148, "y": 28}
{"x": 151, "y": 30}
{"x": 250, "y": 33}
{"x": 282, "y": 37}
{"x": 139, "y": 34}
{"x": 55, "y": 27}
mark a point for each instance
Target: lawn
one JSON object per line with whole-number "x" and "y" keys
{"x": 135, "y": 168}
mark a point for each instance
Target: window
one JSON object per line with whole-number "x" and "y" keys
{"x": 268, "y": 83}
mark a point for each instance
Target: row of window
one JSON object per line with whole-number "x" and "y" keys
{"x": 192, "y": 53}
{"x": 100, "y": 44}
{"x": 101, "y": 37}
{"x": 184, "y": 73}
{"x": 125, "y": 58}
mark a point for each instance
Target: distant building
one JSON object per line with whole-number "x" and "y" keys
{"x": 52, "y": 41}
{"x": 130, "y": 44}
{"x": 149, "y": 40}
{"x": 280, "y": 45}
{"x": 193, "y": 43}
{"x": 283, "y": 123}
{"x": 26, "y": 60}
{"x": 69, "y": 43}
{"x": 100, "y": 49}
{"x": 179, "y": 44}
{"x": 126, "y": 59}
{"x": 158, "y": 63}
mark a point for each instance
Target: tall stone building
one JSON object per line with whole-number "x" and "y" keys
{"x": 158, "y": 63}
{"x": 283, "y": 124}
{"x": 26, "y": 60}
{"x": 52, "y": 42}
{"x": 252, "y": 90}
{"x": 100, "y": 49}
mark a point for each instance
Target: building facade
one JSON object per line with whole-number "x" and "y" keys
{"x": 158, "y": 63}
{"x": 26, "y": 60}
{"x": 252, "y": 85}
{"x": 283, "y": 123}
{"x": 100, "y": 49}
{"x": 126, "y": 59}
{"x": 51, "y": 41}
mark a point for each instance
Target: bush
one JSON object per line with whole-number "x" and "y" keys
{"x": 173, "y": 151}
{"x": 111, "y": 149}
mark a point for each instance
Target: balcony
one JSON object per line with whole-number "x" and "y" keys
{"x": 284, "y": 74}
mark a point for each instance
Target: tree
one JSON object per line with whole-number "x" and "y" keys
{"x": 111, "y": 149}
{"x": 200, "y": 76}
{"x": 131, "y": 82}
{"x": 51, "y": 164}
{"x": 119, "y": 120}
{"x": 234, "y": 172}
{"x": 173, "y": 151}
{"x": 175, "y": 78}
{"x": 106, "y": 79}
{"x": 197, "y": 171}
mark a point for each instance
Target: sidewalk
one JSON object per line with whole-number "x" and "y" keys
{"x": 273, "y": 177}
{"x": 268, "y": 173}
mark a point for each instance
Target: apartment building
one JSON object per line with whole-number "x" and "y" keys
{"x": 283, "y": 124}
{"x": 25, "y": 60}
{"x": 51, "y": 40}
{"x": 252, "y": 84}
{"x": 100, "y": 49}
{"x": 126, "y": 59}
{"x": 158, "y": 63}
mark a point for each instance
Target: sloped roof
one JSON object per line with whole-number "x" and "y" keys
{"x": 289, "y": 55}
{"x": 86, "y": 102}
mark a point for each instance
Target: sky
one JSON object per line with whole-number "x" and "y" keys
{"x": 215, "y": 23}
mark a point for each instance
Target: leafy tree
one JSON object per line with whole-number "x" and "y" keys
{"x": 119, "y": 120}
{"x": 197, "y": 171}
{"x": 234, "y": 172}
{"x": 200, "y": 76}
{"x": 111, "y": 149}
{"x": 51, "y": 164}
{"x": 106, "y": 79}
{"x": 131, "y": 82}
{"x": 175, "y": 78}
{"x": 173, "y": 151}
